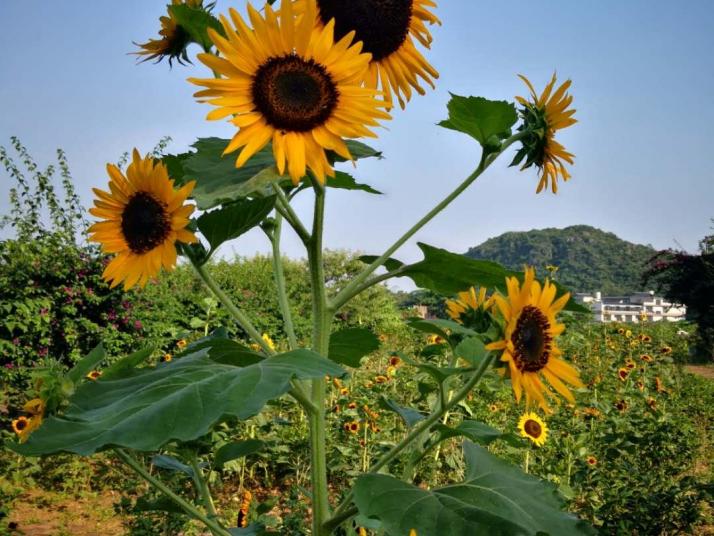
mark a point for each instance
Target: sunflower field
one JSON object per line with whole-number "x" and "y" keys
{"x": 269, "y": 396}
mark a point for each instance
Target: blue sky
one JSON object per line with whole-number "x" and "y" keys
{"x": 643, "y": 78}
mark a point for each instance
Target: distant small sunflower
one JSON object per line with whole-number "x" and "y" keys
{"x": 386, "y": 29}
{"x": 143, "y": 217}
{"x": 621, "y": 405}
{"x": 529, "y": 345}
{"x": 381, "y": 379}
{"x": 629, "y": 364}
{"x": 94, "y": 375}
{"x": 352, "y": 427}
{"x": 469, "y": 308}
{"x": 640, "y": 385}
{"x": 167, "y": 358}
{"x": 493, "y": 408}
{"x": 36, "y": 406}
{"x": 267, "y": 340}
{"x": 647, "y": 358}
{"x": 173, "y": 38}
{"x": 435, "y": 339}
{"x": 659, "y": 386}
{"x": 181, "y": 344}
{"x": 543, "y": 116}
{"x": 352, "y": 405}
{"x": 652, "y": 403}
{"x": 287, "y": 81}
{"x": 534, "y": 428}
{"x": 623, "y": 373}
{"x": 666, "y": 350}
{"x": 621, "y": 331}
{"x": 395, "y": 361}
{"x": 591, "y": 461}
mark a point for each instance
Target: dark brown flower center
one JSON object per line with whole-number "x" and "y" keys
{"x": 294, "y": 94}
{"x": 531, "y": 340}
{"x": 20, "y": 425}
{"x": 533, "y": 429}
{"x": 145, "y": 223}
{"x": 381, "y": 25}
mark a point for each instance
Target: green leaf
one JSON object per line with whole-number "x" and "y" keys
{"x": 488, "y": 122}
{"x": 126, "y": 364}
{"x": 161, "y": 504}
{"x": 172, "y": 464}
{"x": 195, "y": 22}
{"x": 345, "y": 181}
{"x": 350, "y": 345}
{"x": 390, "y": 264}
{"x": 409, "y": 416}
{"x": 226, "y": 352}
{"x": 475, "y": 431}
{"x": 217, "y": 179}
{"x": 239, "y": 449}
{"x": 448, "y": 273}
{"x": 472, "y": 349}
{"x": 497, "y": 499}
{"x": 358, "y": 150}
{"x": 180, "y": 400}
{"x": 234, "y": 219}
{"x": 440, "y": 326}
{"x": 87, "y": 364}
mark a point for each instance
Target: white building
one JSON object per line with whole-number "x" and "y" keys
{"x": 634, "y": 308}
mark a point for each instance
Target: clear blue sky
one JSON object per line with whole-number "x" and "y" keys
{"x": 643, "y": 73}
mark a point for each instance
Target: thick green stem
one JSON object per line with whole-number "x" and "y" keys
{"x": 187, "y": 507}
{"x": 239, "y": 316}
{"x": 343, "y": 511}
{"x": 356, "y": 285}
{"x": 283, "y": 206}
{"x": 202, "y": 487}
{"x": 279, "y": 274}
{"x": 322, "y": 320}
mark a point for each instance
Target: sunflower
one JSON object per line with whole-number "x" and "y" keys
{"x": 167, "y": 358}
{"x": 542, "y": 117}
{"x": 94, "y": 375}
{"x": 529, "y": 345}
{"x": 652, "y": 403}
{"x": 387, "y": 29}
{"x": 267, "y": 340}
{"x": 244, "y": 509}
{"x": 173, "y": 38}
{"x": 143, "y": 218}
{"x": 289, "y": 82}
{"x": 181, "y": 344}
{"x": 591, "y": 461}
{"x": 381, "y": 379}
{"x": 352, "y": 427}
{"x": 623, "y": 373}
{"x": 621, "y": 405}
{"x": 493, "y": 408}
{"x": 666, "y": 350}
{"x": 23, "y": 426}
{"x": 36, "y": 406}
{"x": 534, "y": 428}
{"x": 469, "y": 308}
{"x": 435, "y": 339}
{"x": 395, "y": 361}
{"x": 647, "y": 358}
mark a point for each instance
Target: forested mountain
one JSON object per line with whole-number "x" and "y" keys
{"x": 587, "y": 258}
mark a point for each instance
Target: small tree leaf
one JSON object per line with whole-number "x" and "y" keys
{"x": 409, "y": 416}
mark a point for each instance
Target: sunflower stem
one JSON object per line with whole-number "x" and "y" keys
{"x": 322, "y": 320}
{"x": 357, "y": 284}
{"x": 187, "y": 507}
{"x": 244, "y": 322}
{"x": 279, "y": 274}
{"x": 284, "y": 208}
{"x": 202, "y": 488}
{"x": 344, "y": 511}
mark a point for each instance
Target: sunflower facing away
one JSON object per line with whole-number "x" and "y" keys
{"x": 469, "y": 307}
{"x": 143, "y": 217}
{"x": 289, "y": 82}
{"x": 387, "y": 29}
{"x": 173, "y": 40}
{"x": 534, "y": 428}
{"x": 543, "y": 116}
{"x": 529, "y": 346}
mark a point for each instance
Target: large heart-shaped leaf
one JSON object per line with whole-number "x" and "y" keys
{"x": 448, "y": 273}
{"x": 180, "y": 400}
{"x": 217, "y": 178}
{"x": 350, "y": 345}
{"x": 234, "y": 219}
{"x": 496, "y": 498}
{"x": 487, "y": 121}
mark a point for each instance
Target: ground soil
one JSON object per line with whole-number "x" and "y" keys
{"x": 702, "y": 370}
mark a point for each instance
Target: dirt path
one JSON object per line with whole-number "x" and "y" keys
{"x": 702, "y": 370}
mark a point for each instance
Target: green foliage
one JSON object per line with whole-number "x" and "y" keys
{"x": 488, "y": 122}
{"x": 349, "y": 346}
{"x": 196, "y": 22}
{"x": 496, "y": 498}
{"x": 449, "y": 273}
{"x": 588, "y": 259}
{"x": 180, "y": 400}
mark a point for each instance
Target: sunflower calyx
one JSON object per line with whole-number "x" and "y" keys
{"x": 534, "y": 141}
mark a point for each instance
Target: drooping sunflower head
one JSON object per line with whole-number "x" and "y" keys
{"x": 542, "y": 117}
{"x": 143, "y": 217}
{"x": 470, "y": 308}
{"x": 386, "y": 29}
{"x": 173, "y": 39}
{"x": 289, "y": 82}
{"x": 529, "y": 347}
{"x": 534, "y": 428}
{"x": 36, "y": 406}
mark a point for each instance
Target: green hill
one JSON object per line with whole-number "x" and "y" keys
{"x": 588, "y": 259}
